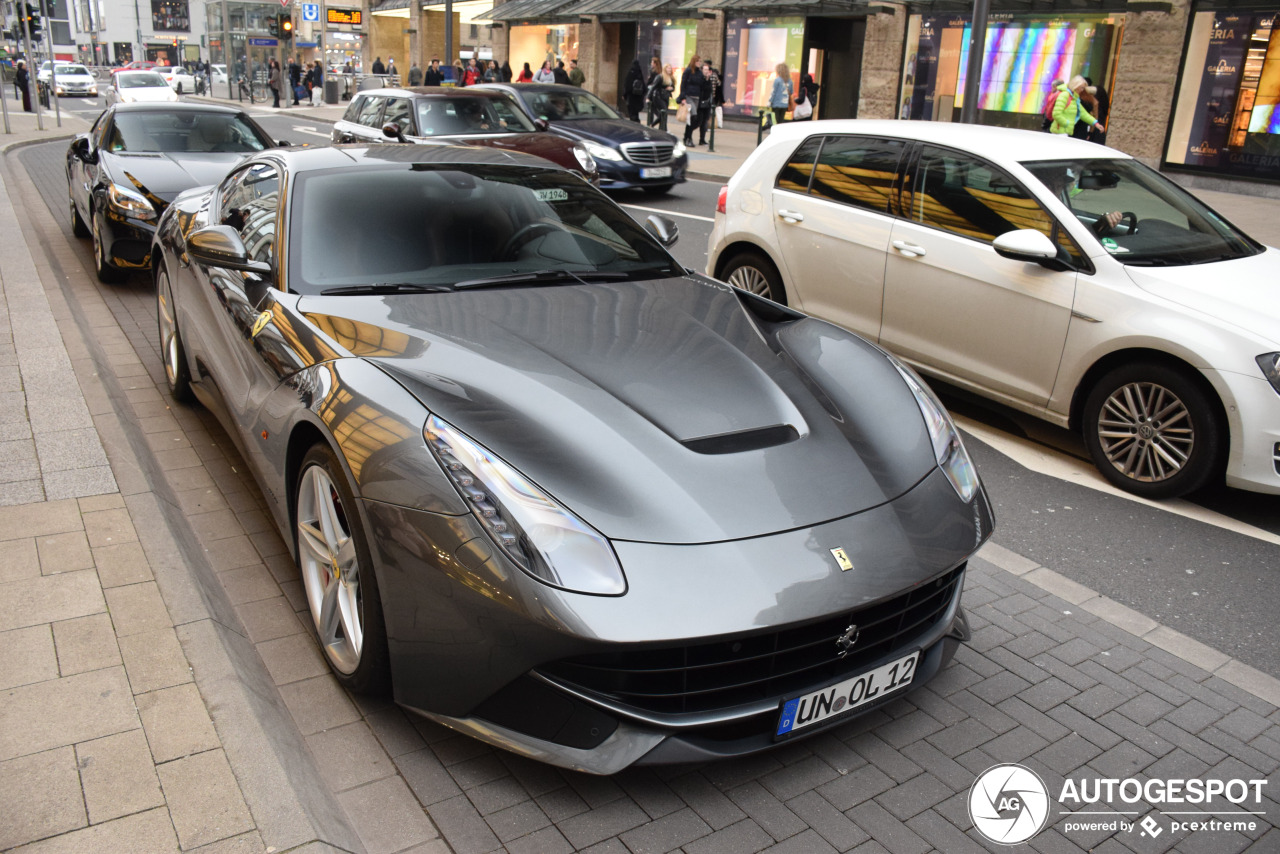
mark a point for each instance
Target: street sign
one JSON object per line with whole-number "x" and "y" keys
{"x": 311, "y": 11}
{"x": 263, "y": 42}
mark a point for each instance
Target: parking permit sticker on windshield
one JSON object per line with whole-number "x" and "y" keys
{"x": 551, "y": 195}
{"x": 1112, "y": 247}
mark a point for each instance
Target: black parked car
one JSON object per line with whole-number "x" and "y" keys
{"x": 137, "y": 158}
{"x": 628, "y": 154}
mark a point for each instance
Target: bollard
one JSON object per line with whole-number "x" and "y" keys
{"x": 711, "y": 146}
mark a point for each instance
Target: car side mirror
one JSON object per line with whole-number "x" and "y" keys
{"x": 664, "y": 228}
{"x": 283, "y": 143}
{"x": 1028, "y": 245}
{"x": 80, "y": 148}
{"x": 221, "y": 246}
{"x": 391, "y": 130}
{"x": 541, "y": 124}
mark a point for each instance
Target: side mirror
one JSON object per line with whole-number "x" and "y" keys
{"x": 80, "y": 148}
{"x": 391, "y": 130}
{"x": 664, "y": 228}
{"x": 283, "y": 143}
{"x": 220, "y": 246}
{"x": 541, "y": 124}
{"x": 1028, "y": 245}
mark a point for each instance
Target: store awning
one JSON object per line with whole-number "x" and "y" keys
{"x": 626, "y": 10}
{"x": 533, "y": 11}
{"x": 391, "y": 6}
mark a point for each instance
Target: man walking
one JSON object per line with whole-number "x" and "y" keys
{"x": 295, "y": 78}
{"x": 434, "y": 76}
{"x": 576, "y": 77}
{"x": 415, "y": 75}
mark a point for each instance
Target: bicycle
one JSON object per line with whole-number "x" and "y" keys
{"x": 246, "y": 91}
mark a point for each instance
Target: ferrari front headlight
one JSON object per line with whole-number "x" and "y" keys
{"x": 532, "y": 528}
{"x": 948, "y": 449}
{"x": 129, "y": 202}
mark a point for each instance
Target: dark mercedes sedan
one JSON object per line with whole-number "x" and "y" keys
{"x": 553, "y": 489}
{"x": 135, "y": 159}
{"x": 469, "y": 116}
{"x": 629, "y": 154}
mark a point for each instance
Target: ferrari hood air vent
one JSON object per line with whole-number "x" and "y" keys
{"x": 743, "y": 440}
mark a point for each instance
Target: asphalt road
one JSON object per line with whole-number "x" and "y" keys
{"x": 1209, "y": 567}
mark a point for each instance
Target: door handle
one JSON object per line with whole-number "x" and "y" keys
{"x": 911, "y": 250}
{"x": 791, "y": 216}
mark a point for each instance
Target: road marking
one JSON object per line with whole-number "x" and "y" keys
{"x": 1051, "y": 463}
{"x": 672, "y": 213}
{"x": 310, "y": 129}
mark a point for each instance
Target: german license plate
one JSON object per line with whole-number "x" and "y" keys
{"x": 838, "y": 699}
{"x": 656, "y": 172}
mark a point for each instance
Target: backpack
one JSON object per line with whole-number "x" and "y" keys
{"x": 1047, "y": 110}
{"x": 637, "y": 86}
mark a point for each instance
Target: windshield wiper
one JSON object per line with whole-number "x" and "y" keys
{"x": 384, "y": 288}
{"x": 542, "y": 277}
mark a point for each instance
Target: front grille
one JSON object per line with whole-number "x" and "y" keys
{"x": 748, "y": 668}
{"x": 648, "y": 153}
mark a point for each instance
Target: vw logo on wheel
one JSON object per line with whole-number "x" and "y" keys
{"x": 1009, "y": 804}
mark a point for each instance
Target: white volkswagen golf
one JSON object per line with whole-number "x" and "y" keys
{"x": 1059, "y": 277}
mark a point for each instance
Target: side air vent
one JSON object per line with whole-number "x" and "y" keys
{"x": 744, "y": 440}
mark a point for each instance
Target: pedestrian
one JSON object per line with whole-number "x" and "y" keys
{"x": 1046, "y": 108}
{"x": 707, "y": 102}
{"x": 545, "y": 74}
{"x": 295, "y": 77}
{"x": 1067, "y": 109}
{"x": 433, "y": 76}
{"x": 633, "y": 90}
{"x": 659, "y": 92}
{"x": 472, "y": 75}
{"x": 505, "y": 71}
{"x": 274, "y": 79}
{"x": 378, "y": 67}
{"x": 576, "y": 77}
{"x": 459, "y": 73}
{"x": 492, "y": 74}
{"x": 526, "y": 75}
{"x": 690, "y": 91}
{"x": 22, "y": 82}
{"x": 806, "y": 99}
{"x": 780, "y": 96}
{"x": 1098, "y": 133}
{"x": 391, "y": 67}
{"x": 317, "y": 84}
{"x": 561, "y": 76}
{"x": 415, "y": 75}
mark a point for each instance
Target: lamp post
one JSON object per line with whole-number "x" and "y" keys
{"x": 973, "y": 71}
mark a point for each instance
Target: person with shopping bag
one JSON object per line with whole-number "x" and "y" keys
{"x": 690, "y": 93}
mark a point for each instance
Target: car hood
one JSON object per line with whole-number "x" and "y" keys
{"x": 658, "y": 411}
{"x": 1243, "y": 292}
{"x": 166, "y": 175}
{"x": 610, "y": 131}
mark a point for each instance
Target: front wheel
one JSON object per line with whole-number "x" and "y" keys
{"x": 78, "y": 228}
{"x": 107, "y": 272}
{"x": 171, "y": 350}
{"x": 337, "y": 574}
{"x": 1154, "y": 430}
{"x": 752, "y": 271}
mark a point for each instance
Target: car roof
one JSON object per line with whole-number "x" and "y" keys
{"x": 176, "y": 107}
{"x": 536, "y": 87}
{"x": 442, "y": 153}
{"x": 1008, "y": 145}
{"x": 434, "y": 92}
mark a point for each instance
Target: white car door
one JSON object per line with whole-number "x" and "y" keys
{"x": 957, "y": 308}
{"x": 831, "y": 216}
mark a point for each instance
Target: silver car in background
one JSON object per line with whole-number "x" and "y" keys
{"x": 555, "y": 490}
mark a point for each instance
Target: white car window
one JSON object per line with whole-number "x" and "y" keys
{"x": 859, "y": 171}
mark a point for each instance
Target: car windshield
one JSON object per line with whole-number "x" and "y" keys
{"x": 437, "y": 225}
{"x": 564, "y": 106}
{"x": 1159, "y": 224}
{"x": 184, "y": 130}
{"x": 445, "y": 116}
{"x": 141, "y": 80}
{"x": 73, "y": 69}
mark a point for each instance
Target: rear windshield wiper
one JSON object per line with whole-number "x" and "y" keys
{"x": 547, "y": 277}
{"x": 384, "y": 288}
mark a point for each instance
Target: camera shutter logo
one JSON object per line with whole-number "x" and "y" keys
{"x": 1009, "y": 804}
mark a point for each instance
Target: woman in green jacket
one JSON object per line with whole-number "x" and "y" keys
{"x": 1067, "y": 109}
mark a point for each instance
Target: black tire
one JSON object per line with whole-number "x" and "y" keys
{"x": 659, "y": 191}
{"x": 107, "y": 272}
{"x": 367, "y": 669}
{"x": 1163, "y": 434}
{"x": 752, "y": 271}
{"x": 172, "y": 353}
{"x": 179, "y": 88}
{"x": 78, "y": 228}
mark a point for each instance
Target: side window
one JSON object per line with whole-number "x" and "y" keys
{"x": 400, "y": 111}
{"x": 971, "y": 197}
{"x": 859, "y": 171}
{"x": 98, "y": 130}
{"x": 369, "y": 112}
{"x": 798, "y": 170}
{"x": 249, "y": 202}
{"x": 353, "y": 109}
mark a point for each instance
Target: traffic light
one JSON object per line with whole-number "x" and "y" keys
{"x": 33, "y": 23}
{"x": 273, "y": 25}
{"x": 286, "y": 25}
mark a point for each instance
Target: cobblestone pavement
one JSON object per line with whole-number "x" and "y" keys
{"x": 1066, "y": 682}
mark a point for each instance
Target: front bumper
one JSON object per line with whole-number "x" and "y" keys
{"x": 475, "y": 642}
{"x": 127, "y": 241}
{"x": 1254, "y": 459}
